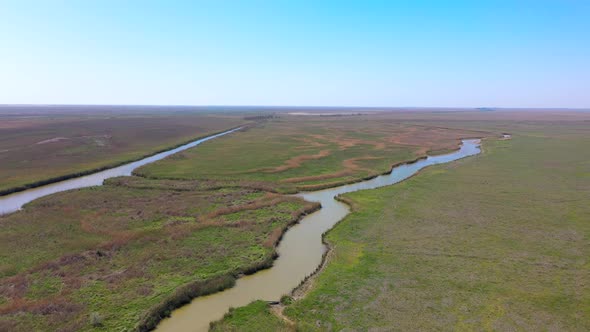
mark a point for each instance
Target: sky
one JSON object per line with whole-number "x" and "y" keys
{"x": 450, "y": 53}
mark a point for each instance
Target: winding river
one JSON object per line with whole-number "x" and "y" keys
{"x": 13, "y": 202}
{"x": 300, "y": 250}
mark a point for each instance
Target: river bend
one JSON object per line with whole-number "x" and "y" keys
{"x": 300, "y": 250}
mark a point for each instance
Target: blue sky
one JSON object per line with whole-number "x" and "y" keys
{"x": 351, "y": 53}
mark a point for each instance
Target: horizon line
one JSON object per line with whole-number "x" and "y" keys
{"x": 488, "y": 108}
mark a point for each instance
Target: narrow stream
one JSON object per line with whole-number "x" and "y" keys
{"x": 300, "y": 250}
{"x": 13, "y": 202}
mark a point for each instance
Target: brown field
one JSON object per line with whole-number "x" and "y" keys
{"x": 37, "y": 147}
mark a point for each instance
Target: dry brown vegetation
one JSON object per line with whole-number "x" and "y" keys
{"x": 51, "y": 145}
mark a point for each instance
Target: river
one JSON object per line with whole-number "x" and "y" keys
{"x": 300, "y": 250}
{"x": 13, "y": 202}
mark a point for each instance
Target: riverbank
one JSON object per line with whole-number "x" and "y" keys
{"x": 494, "y": 242}
{"x": 301, "y": 290}
{"x": 133, "y": 251}
{"x": 296, "y": 154}
{"x": 14, "y": 202}
{"x": 96, "y": 241}
{"x": 140, "y": 239}
{"x": 301, "y": 253}
{"x": 187, "y": 293}
{"x": 49, "y": 145}
{"x": 40, "y": 183}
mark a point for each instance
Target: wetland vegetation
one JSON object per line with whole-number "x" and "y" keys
{"x": 40, "y": 147}
{"x": 123, "y": 248}
{"x": 496, "y": 241}
{"x": 493, "y": 242}
{"x": 294, "y": 153}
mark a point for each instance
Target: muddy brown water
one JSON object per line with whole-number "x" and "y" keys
{"x": 14, "y": 202}
{"x": 300, "y": 250}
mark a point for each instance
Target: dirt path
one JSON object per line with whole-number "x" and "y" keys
{"x": 277, "y": 309}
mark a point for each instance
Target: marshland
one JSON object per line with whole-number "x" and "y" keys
{"x": 236, "y": 166}
{"x": 124, "y": 255}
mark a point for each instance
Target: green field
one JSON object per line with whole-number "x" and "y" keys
{"x": 494, "y": 242}
{"x": 252, "y": 318}
{"x": 294, "y": 153}
{"x": 125, "y": 252}
{"x": 122, "y": 255}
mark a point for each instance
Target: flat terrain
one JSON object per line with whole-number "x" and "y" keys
{"x": 497, "y": 241}
{"x": 257, "y": 316}
{"x": 121, "y": 255}
{"x": 118, "y": 251}
{"x": 41, "y": 144}
{"x": 494, "y": 242}
{"x": 293, "y": 153}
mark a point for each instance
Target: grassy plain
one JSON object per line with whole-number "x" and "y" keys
{"x": 494, "y": 242}
{"x": 293, "y": 153}
{"x": 251, "y": 318}
{"x": 51, "y": 144}
{"x": 123, "y": 253}
{"x": 446, "y": 245}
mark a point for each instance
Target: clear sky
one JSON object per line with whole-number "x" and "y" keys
{"x": 513, "y": 53}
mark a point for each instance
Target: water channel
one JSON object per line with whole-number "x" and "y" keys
{"x": 300, "y": 250}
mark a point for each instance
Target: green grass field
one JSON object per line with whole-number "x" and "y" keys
{"x": 119, "y": 255}
{"x": 118, "y": 251}
{"x": 494, "y": 242}
{"x": 300, "y": 153}
{"x": 252, "y": 318}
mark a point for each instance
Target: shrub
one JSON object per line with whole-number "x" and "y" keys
{"x": 95, "y": 319}
{"x": 286, "y": 300}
